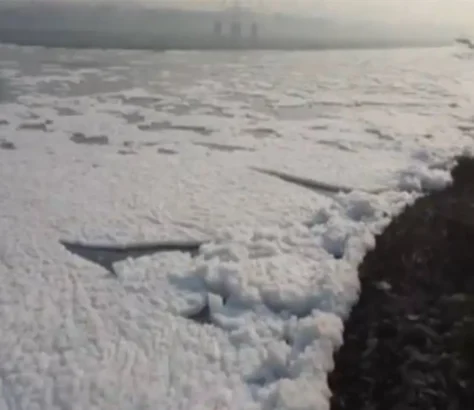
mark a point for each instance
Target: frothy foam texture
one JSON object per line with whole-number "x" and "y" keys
{"x": 252, "y": 319}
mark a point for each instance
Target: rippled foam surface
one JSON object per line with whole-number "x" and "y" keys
{"x": 285, "y": 166}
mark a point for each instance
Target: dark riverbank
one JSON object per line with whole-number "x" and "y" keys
{"x": 409, "y": 341}
{"x": 148, "y": 41}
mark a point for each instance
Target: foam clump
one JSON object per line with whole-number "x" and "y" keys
{"x": 420, "y": 178}
{"x": 281, "y": 293}
{"x": 288, "y": 299}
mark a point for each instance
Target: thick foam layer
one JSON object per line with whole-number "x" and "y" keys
{"x": 250, "y": 320}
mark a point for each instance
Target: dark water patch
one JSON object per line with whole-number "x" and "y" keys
{"x": 400, "y": 104}
{"x": 167, "y": 151}
{"x": 7, "y": 145}
{"x": 175, "y": 109}
{"x": 223, "y": 147}
{"x": 154, "y": 126}
{"x": 133, "y": 118}
{"x": 165, "y": 125}
{"x": 336, "y": 144}
{"x": 3, "y": 122}
{"x": 380, "y": 134}
{"x": 263, "y": 132}
{"x": 305, "y": 182}
{"x": 466, "y": 128}
{"x": 80, "y": 138}
{"x": 107, "y": 255}
{"x": 305, "y": 113}
{"x": 34, "y": 126}
{"x": 142, "y": 101}
{"x": 193, "y": 128}
{"x": 146, "y": 144}
{"x": 319, "y": 127}
{"x": 130, "y": 118}
{"x": 331, "y": 104}
{"x": 212, "y": 110}
{"x": 409, "y": 340}
{"x": 126, "y": 152}
{"x": 66, "y": 112}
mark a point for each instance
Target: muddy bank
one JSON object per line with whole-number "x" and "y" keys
{"x": 409, "y": 341}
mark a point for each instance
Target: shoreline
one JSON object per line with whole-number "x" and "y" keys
{"x": 158, "y": 43}
{"x": 408, "y": 340}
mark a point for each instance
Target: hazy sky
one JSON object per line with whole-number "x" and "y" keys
{"x": 431, "y": 11}
{"x": 399, "y": 11}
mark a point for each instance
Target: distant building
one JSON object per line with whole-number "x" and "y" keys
{"x": 237, "y": 23}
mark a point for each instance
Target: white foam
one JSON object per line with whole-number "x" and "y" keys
{"x": 278, "y": 271}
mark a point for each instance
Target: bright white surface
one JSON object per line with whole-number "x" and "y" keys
{"x": 280, "y": 272}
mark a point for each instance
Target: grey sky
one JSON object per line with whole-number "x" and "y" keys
{"x": 395, "y": 11}
{"x": 429, "y": 11}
